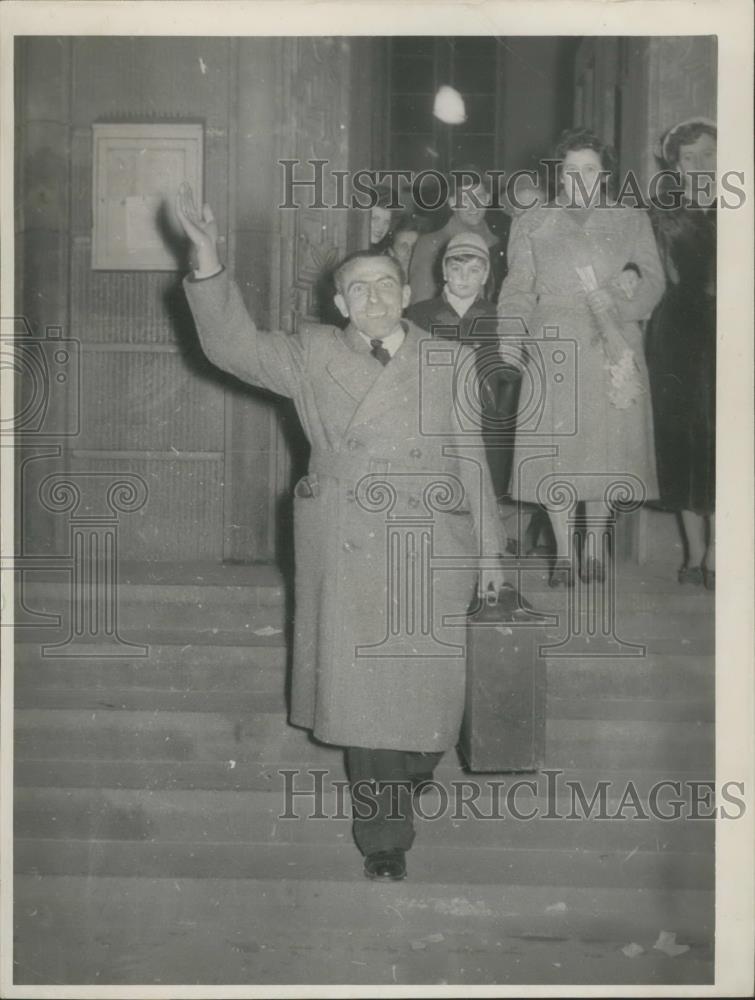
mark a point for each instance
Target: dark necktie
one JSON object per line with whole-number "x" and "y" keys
{"x": 380, "y": 352}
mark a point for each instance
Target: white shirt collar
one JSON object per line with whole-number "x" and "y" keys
{"x": 392, "y": 342}
{"x": 461, "y": 306}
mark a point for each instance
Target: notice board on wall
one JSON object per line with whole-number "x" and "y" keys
{"x": 137, "y": 172}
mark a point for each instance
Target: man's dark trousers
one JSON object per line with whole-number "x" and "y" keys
{"x": 384, "y": 816}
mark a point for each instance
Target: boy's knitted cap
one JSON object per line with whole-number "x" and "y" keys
{"x": 463, "y": 244}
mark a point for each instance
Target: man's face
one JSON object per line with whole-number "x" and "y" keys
{"x": 373, "y": 297}
{"x": 472, "y": 205}
{"x": 465, "y": 277}
{"x": 403, "y": 247}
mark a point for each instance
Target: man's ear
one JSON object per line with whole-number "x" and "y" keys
{"x": 340, "y": 302}
{"x": 406, "y": 294}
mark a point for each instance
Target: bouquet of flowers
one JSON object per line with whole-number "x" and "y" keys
{"x": 626, "y": 385}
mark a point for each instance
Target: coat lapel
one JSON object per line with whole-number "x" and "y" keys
{"x": 353, "y": 367}
{"x": 401, "y": 373}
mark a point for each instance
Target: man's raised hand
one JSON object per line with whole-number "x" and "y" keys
{"x": 202, "y": 231}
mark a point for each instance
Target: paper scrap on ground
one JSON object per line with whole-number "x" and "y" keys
{"x": 556, "y": 908}
{"x": 667, "y": 943}
{"x": 268, "y": 630}
{"x": 633, "y": 950}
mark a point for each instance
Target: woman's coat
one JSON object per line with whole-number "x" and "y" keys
{"x": 571, "y": 441}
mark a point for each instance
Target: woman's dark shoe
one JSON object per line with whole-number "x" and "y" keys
{"x": 691, "y": 574}
{"x": 709, "y": 578}
{"x": 512, "y": 547}
{"x": 591, "y": 570}
{"x": 561, "y": 574}
{"x": 422, "y": 780}
{"x": 389, "y": 866}
{"x": 531, "y": 535}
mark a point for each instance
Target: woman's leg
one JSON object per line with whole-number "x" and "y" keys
{"x": 562, "y": 532}
{"x": 694, "y": 531}
{"x": 595, "y": 544}
{"x": 709, "y": 560}
{"x": 561, "y": 572}
{"x": 596, "y": 515}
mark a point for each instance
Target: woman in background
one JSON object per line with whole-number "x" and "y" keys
{"x": 469, "y": 209}
{"x": 681, "y": 347}
{"x": 381, "y": 222}
{"x": 591, "y": 423}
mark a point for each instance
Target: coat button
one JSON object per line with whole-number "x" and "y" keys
{"x": 416, "y": 453}
{"x": 352, "y": 444}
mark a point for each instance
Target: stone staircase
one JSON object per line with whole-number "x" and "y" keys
{"x": 150, "y": 845}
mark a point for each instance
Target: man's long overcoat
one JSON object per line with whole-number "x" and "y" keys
{"x": 389, "y": 524}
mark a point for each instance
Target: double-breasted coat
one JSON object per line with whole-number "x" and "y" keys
{"x": 389, "y": 523}
{"x": 568, "y": 431}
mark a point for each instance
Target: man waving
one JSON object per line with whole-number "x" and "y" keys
{"x": 395, "y": 524}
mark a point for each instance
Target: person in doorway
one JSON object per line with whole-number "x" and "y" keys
{"x": 469, "y": 207}
{"x": 378, "y": 667}
{"x": 595, "y": 428}
{"x": 681, "y": 348}
{"x": 404, "y": 239}
{"x": 381, "y": 222}
{"x": 461, "y": 312}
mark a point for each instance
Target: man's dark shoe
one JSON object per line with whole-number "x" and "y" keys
{"x": 388, "y": 866}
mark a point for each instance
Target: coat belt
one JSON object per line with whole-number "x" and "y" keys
{"x": 350, "y": 469}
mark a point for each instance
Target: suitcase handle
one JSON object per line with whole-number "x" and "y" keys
{"x": 508, "y": 598}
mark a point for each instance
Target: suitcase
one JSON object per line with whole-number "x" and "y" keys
{"x": 504, "y": 716}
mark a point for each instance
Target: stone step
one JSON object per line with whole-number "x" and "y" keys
{"x": 679, "y": 641}
{"x": 233, "y": 604}
{"x": 149, "y": 582}
{"x": 576, "y": 706}
{"x": 44, "y": 734}
{"x": 187, "y": 669}
{"x": 85, "y": 662}
{"x": 240, "y": 931}
{"x": 632, "y": 592}
{"x": 140, "y": 584}
{"x": 267, "y": 774}
{"x": 239, "y": 615}
{"x": 642, "y": 608}
{"x": 467, "y": 815}
{"x": 452, "y": 865}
